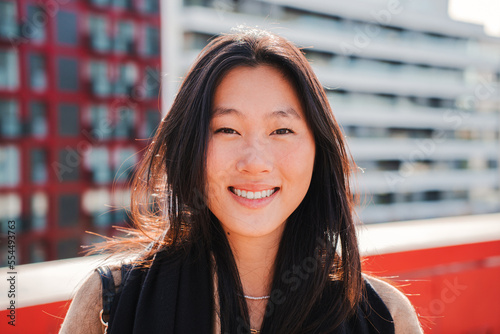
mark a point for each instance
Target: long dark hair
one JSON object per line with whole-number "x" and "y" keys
{"x": 317, "y": 260}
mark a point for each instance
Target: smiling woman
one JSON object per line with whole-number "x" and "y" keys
{"x": 272, "y": 247}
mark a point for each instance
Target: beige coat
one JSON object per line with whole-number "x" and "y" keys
{"x": 83, "y": 314}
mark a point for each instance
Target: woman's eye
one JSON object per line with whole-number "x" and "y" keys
{"x": 283, "y": 131}
{"x": 226, "y": 130}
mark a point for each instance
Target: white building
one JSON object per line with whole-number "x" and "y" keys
{"x": 417, "y": 93}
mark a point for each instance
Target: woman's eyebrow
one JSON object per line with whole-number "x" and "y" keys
{"x": 286, "y": 112}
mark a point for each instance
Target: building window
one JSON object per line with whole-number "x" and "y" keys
{"x": 9, "y": 166}
{"x": 67, "y": 74}
{"x": 99, "y": 165}
{"x": 124, "y": 161}
{"x": 38, "y": 166}
{"x": 151, "y": 41}
{"x": 37, "y": 73}
{"x": 123, "y": 4}
{"x": 11, "y": 206}
{"x": 38, "y": 125}
{"x": 151, "y": 85}
{"x": 69, "y": 210}
{"x": 68, "y": 248}
{"x": 9, "y": 70}
{"x": 67, "y": 168}
{"x": 39, "y": 209}
{"x": 150, "y": 6}
{"x": 99, "y": 81}
{"x": 37, "y": 252}
{"x": 152, "y": 120}
{"x": 67, "y": 28}
{"x": 101, "y": 125}
{"x": 100, "y": 3}
{"x": 99, "y": 38}
{"x": 8, "y": 19}
{"x": 34, "y": 28}
{"x": 69, "y": 124}
{"x": 96, "y": 203}
{"x": 10, "y": 126}
{"x": 124, "y": 125}
{"x": 127, "y": 77}
{"x": 124, "y": 39}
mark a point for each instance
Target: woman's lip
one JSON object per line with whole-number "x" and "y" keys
{"x": 254, "y": 190}
{"x": 254, "y": 203}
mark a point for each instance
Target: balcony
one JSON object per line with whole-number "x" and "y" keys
{"x": 448, "y": 267}
{"x": 330, "y": 36}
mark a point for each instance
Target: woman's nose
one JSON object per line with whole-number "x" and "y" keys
{"x": 255, "y": 158}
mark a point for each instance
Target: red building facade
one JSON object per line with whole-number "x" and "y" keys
{"x": 79, "y": 89}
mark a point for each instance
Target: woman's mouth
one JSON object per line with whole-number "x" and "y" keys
{"x": 253, "y": 195}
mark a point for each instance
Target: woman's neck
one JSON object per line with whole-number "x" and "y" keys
{"x": 255, "y": 258}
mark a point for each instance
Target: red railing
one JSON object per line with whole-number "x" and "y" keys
{"x": 449, "y": 268}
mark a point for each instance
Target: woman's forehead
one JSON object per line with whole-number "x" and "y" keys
{"x": 256, "y": 88}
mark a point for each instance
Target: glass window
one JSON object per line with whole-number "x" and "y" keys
{"x": 68, "y": 248}
{"x": 150, "y": 6}
{"x": 124, "y": 126}
{"x": 9, "y": 166}
{"x": 37, "y": 252}
{"x": 10, "y": 126}
{"x": 37, "y": 73}
{"x": 100, "y": 3}
{"x": 125, "y": 159}
{"x": 151, "y": 84}
{"x": 11, "y": 206}
{"x": 8, "y": 19}
{"x": 38, "y": 166}
{"x": 34, "y": 27}
{"x": 101, "y": 125}
{"x": 69, "y": 210}
{"x": 67, "y": 28}
{"x": 102, "y": 219}
{"x": 39, "y": 209}
{"x": 124, "y": 39}
{"x": 99, "y": 164}
{"x": 67, "y": 168}
{"x": 151, "y": 41}
{"x": 9, "y": 70}
{"x": 69, "y": 124}
{"x": 124, "y": 4}
{"x": 67, "y": 74}
{"x": 152, "y": 120}
{"x": 38, "y": 125}
{"x": 99, "y": 38}
{"x": 127, "y": 76}
{"x": 99, "y": 78}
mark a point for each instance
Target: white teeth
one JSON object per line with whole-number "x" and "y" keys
{"x": 254, "y": 195}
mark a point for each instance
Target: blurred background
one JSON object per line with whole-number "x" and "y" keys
{"x": 415, "y": 91}
{"x": 414, "y": 86}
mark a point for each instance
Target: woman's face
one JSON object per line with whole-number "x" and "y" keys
{"x": 260, "y": 152}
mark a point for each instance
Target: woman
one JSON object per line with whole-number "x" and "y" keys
{"x": 243, "y": 211}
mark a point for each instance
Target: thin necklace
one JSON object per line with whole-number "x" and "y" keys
{"x": 256, "y": 298}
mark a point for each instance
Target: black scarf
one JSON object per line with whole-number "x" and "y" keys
{"x": 174, "y": 296}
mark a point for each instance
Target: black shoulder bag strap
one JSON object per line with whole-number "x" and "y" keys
{"x": 108, "y": 292}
